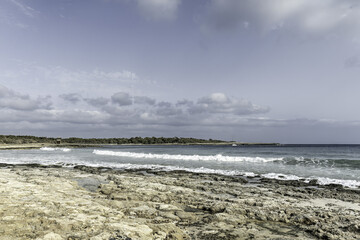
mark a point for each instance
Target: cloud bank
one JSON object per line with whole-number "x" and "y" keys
{"x": 10, "y": 99}
{"x": 122, "y": 108}
{"x": 121, "y": 114}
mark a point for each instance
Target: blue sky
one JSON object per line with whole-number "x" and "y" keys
{"x": 247, "y": 70}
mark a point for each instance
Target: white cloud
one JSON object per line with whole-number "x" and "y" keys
{"x": 208, "y": 106}
{"x": 219, "y": 113}
{"x": 80, "y": 116}
{"x": 97, "y": 102}
{"x": 71, "y": 97}
{"x": 12, "y": 100}
{"x": 103, "y": 99}
{"x": 59, "y": 80}
{"x": 308, "y": 16}
{"x": 144, "y": 100}
{"x": 210, "y": 110}
{"x": 122, "y": 99}
{"x": 166, "y": 109}
{"x": 48, "y": 117}
{"x": 184, "y": 102}
{"x": 159, "y": 9}
{"x": 116, "y": 76}
{"x": 220, "y": 103}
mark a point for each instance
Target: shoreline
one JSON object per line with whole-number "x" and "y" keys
{"x": 41, "y": 145}
{"x": 85, "y": 145}
{"x": 102, "y": 203}
{"x": 246, "y": 177}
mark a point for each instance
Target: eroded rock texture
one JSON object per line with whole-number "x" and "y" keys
{"x": 91, "y": 203}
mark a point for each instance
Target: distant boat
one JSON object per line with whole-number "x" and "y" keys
{"x": 234, "y": 145}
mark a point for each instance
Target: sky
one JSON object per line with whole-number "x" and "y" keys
{"x": 282, "y": 71}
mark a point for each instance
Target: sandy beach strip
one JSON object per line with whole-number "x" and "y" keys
{"x": 98, "y": 203}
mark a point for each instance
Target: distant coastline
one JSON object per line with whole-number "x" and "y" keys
{"x": 8, "y": 142}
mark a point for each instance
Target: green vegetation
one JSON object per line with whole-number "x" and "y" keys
{"x": 11, "y": 139}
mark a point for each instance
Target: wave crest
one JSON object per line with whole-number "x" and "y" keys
{"x": 320, "y": 180}
{"x": 217, "y": 157}
{"x": 55, "y": 149}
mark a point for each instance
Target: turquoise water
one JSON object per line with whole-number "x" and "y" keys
{"x": 326, "y": 163}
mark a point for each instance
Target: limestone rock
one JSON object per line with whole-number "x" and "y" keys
{"x": 48, "y": 203}
{"x": 52, "y": 236}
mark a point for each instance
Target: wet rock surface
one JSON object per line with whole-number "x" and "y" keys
{"x": 100, "y": 203}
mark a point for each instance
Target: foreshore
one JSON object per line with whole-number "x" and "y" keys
{"x": 85, "y": 145}
{"x": 38, "y": 202}
{"x": 41, "y": 145}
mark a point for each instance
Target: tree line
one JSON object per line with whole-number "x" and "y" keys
{"x": 13, "y": 139}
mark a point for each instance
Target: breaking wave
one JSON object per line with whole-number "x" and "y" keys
{"x": 221, "y": 158}
{"x": 320, "y": 180}
{"x": 55, "y": 149}
{"x": 217, "y": 157}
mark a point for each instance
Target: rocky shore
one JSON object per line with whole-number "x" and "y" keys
{"x": 52, "y": 203}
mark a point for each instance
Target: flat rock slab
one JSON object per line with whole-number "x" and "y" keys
{"x": 61, "y": 203}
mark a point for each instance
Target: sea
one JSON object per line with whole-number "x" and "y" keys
{"x": 328, "y": 164}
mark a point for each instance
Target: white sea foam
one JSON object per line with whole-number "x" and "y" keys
{"x": 217, "y": 157}
{"x": 71, "y": 160}
{"x": 346, "y": 183}
{"x": 320, "y": 180}
{"x": 280, "y": 176}
{"x": 159, "y": 167}
{"x": 55, "y": 149}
